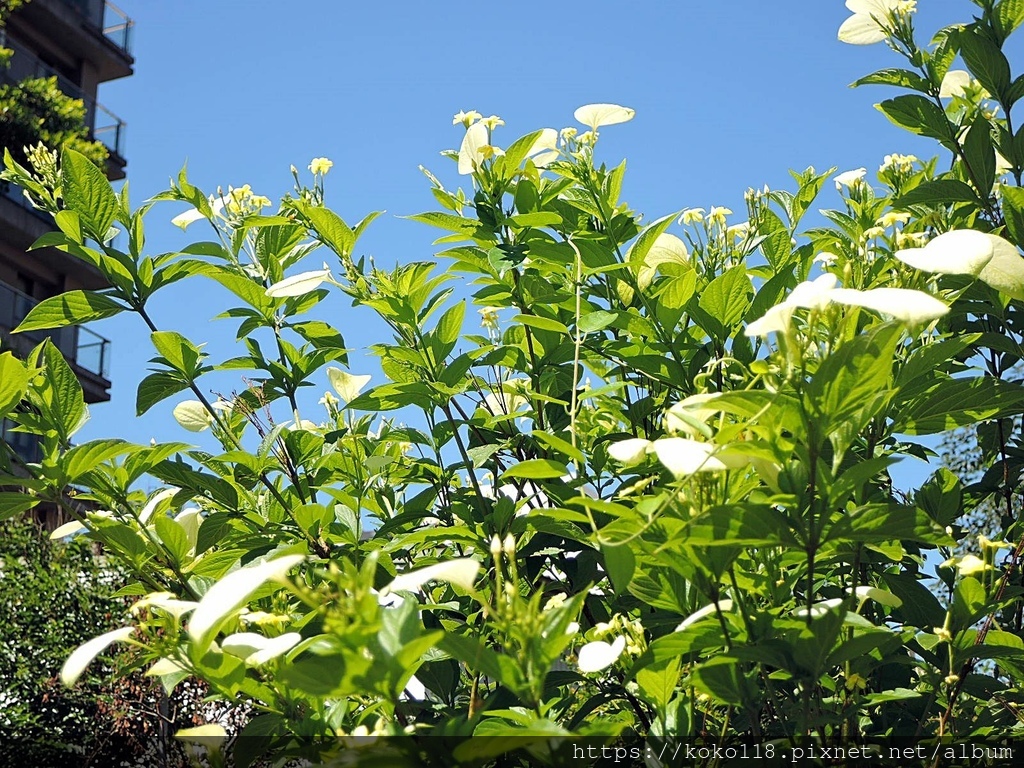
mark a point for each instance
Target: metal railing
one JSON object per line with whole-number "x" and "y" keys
{"x": 104, "y": 126}
{"x": 106, "y": 19}
{"x": 86, "y": 349}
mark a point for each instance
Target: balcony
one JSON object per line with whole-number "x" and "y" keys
{"x": 104, "y": 126}
{"x": 86, "y": 351}
{"x": 92, "y": 30}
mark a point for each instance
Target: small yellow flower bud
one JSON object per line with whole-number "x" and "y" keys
{"x": 495, "y": 546}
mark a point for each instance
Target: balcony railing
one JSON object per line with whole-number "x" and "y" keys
{"x": 104, "y": 126}
{"x": 86, "y": 349}
{"x": 107, "y": 19}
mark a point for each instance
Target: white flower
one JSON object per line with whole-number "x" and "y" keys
{"x": 461, "y": 572}
{"x": 346, "y": 385}
{"x": 1005, "y": 272}
{"x": 850, "y": 179}
{"x": 595, "y": 115}
{"x": 630, "y": 452}
{"x": 319, "y": 166}
{"x": 298, "y": 285}
{"x": 691, "y": 216}
{"x": 192, "y": 415}
{"x": 598, "y": 655}
{"x": 682, "y": 456}
{"x": 906, "y": 305}
{"x": 960, "y": 252}
{"x": 954, "y": 83}
{"x": 870, "y": 19}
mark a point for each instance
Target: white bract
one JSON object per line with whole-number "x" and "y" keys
{"x": 85, "y": 653}
{"x": 681, "y": 416}
{"x": 1005, "y": 272}
{"x": 707, "y": 610}
{"x": 667, "y": 249}
{"x": 598, "y": 655}
{"x": 850, "y": 178}
{"x": 347, "y": 385}
{"x": 960, "y": 252}
{"x": 461, "y": 572}
{"x": 228, "y": 595}
{"x": 954, "y": 83}
{"x": 810, "y": 294}
{"x": 630, "y": 452}
{"x": 545, "y": 149}
{"x": 256, "y": 649}
{"x": 904, "y": 304}
{"x": 298, "y": 285}
{"x": 595, "y": 115}
{"x": 868, "y": 23}
{"x": 682, "y": 456}
{"x": 472, "y": 152}
{"x": 192, "y": 415}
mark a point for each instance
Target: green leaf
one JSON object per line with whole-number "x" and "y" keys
{"x": 14, "y": 503}
{"x": 536, "y": 469}
{"x": 918, "y": 115}
{"x": 448, "y": 221}
{"x": 981, "y": 155}
{"x": 13, "y": 382}
{"x": 335, "y": 233}
{"x": 180, "y": 353}
{"x": 902, "y": 78}
{"x": 154, "y": 388}
{"x": 1013, "y": 212}
{"x": 596, "y": 320}
{"x": 173, "y": 536}
{"x": 939, "y": 192}
{"x": 953, "y": 403}
{"x": 539, "y": 219}
{"x": 620, "y": 563}
{"x": 645, "y": 240}
{"x": 727, "y": 297}
{"x": 60, "y": 400}
{"x": 71, "y": 308}
{"x": 1009, "y": 14}
{"x": 986, "y": 62}
{"x": 450, "y": 324}
{"x": 87, "y": 192}
{"x": 541, "y": 323}
{"x": 86, "y": 457}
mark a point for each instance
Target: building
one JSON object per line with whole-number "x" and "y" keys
{"x": 82, "y": 43}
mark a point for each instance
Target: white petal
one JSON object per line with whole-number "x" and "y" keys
{"x": 861, "y": 29}
{"x": 908, "y": 306}
{"x": 682, "y": 456}
{"x": 629, "y": 452}
{"x": 298, "y": 285}
{"x": 231, "y": 593}
{"x": 192, "y": 415}
{"x": 347, "y": 385}
{"x": 960, "y": 252}
{"x": 596, "y": 115}
{"x": 461, "y": 572}
{"x": 595, "y": 656}
{"x": 469, "y": 152}
{"x": 188, "y": 217}
{"x": 707, "y": 610}
{"x": 953, "y": 83}
{"x": 415, "y": 690}
{"x": 85, "y": 653}
{"x": 1005, "y": 272}
{"x": 545, "y": 149}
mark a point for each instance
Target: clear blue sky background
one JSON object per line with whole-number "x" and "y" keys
{"x": 728, "y": 95}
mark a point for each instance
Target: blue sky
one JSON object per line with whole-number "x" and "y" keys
{"x": 727, "y": 95}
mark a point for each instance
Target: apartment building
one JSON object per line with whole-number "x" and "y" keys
{"x": 82, "y": 43}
